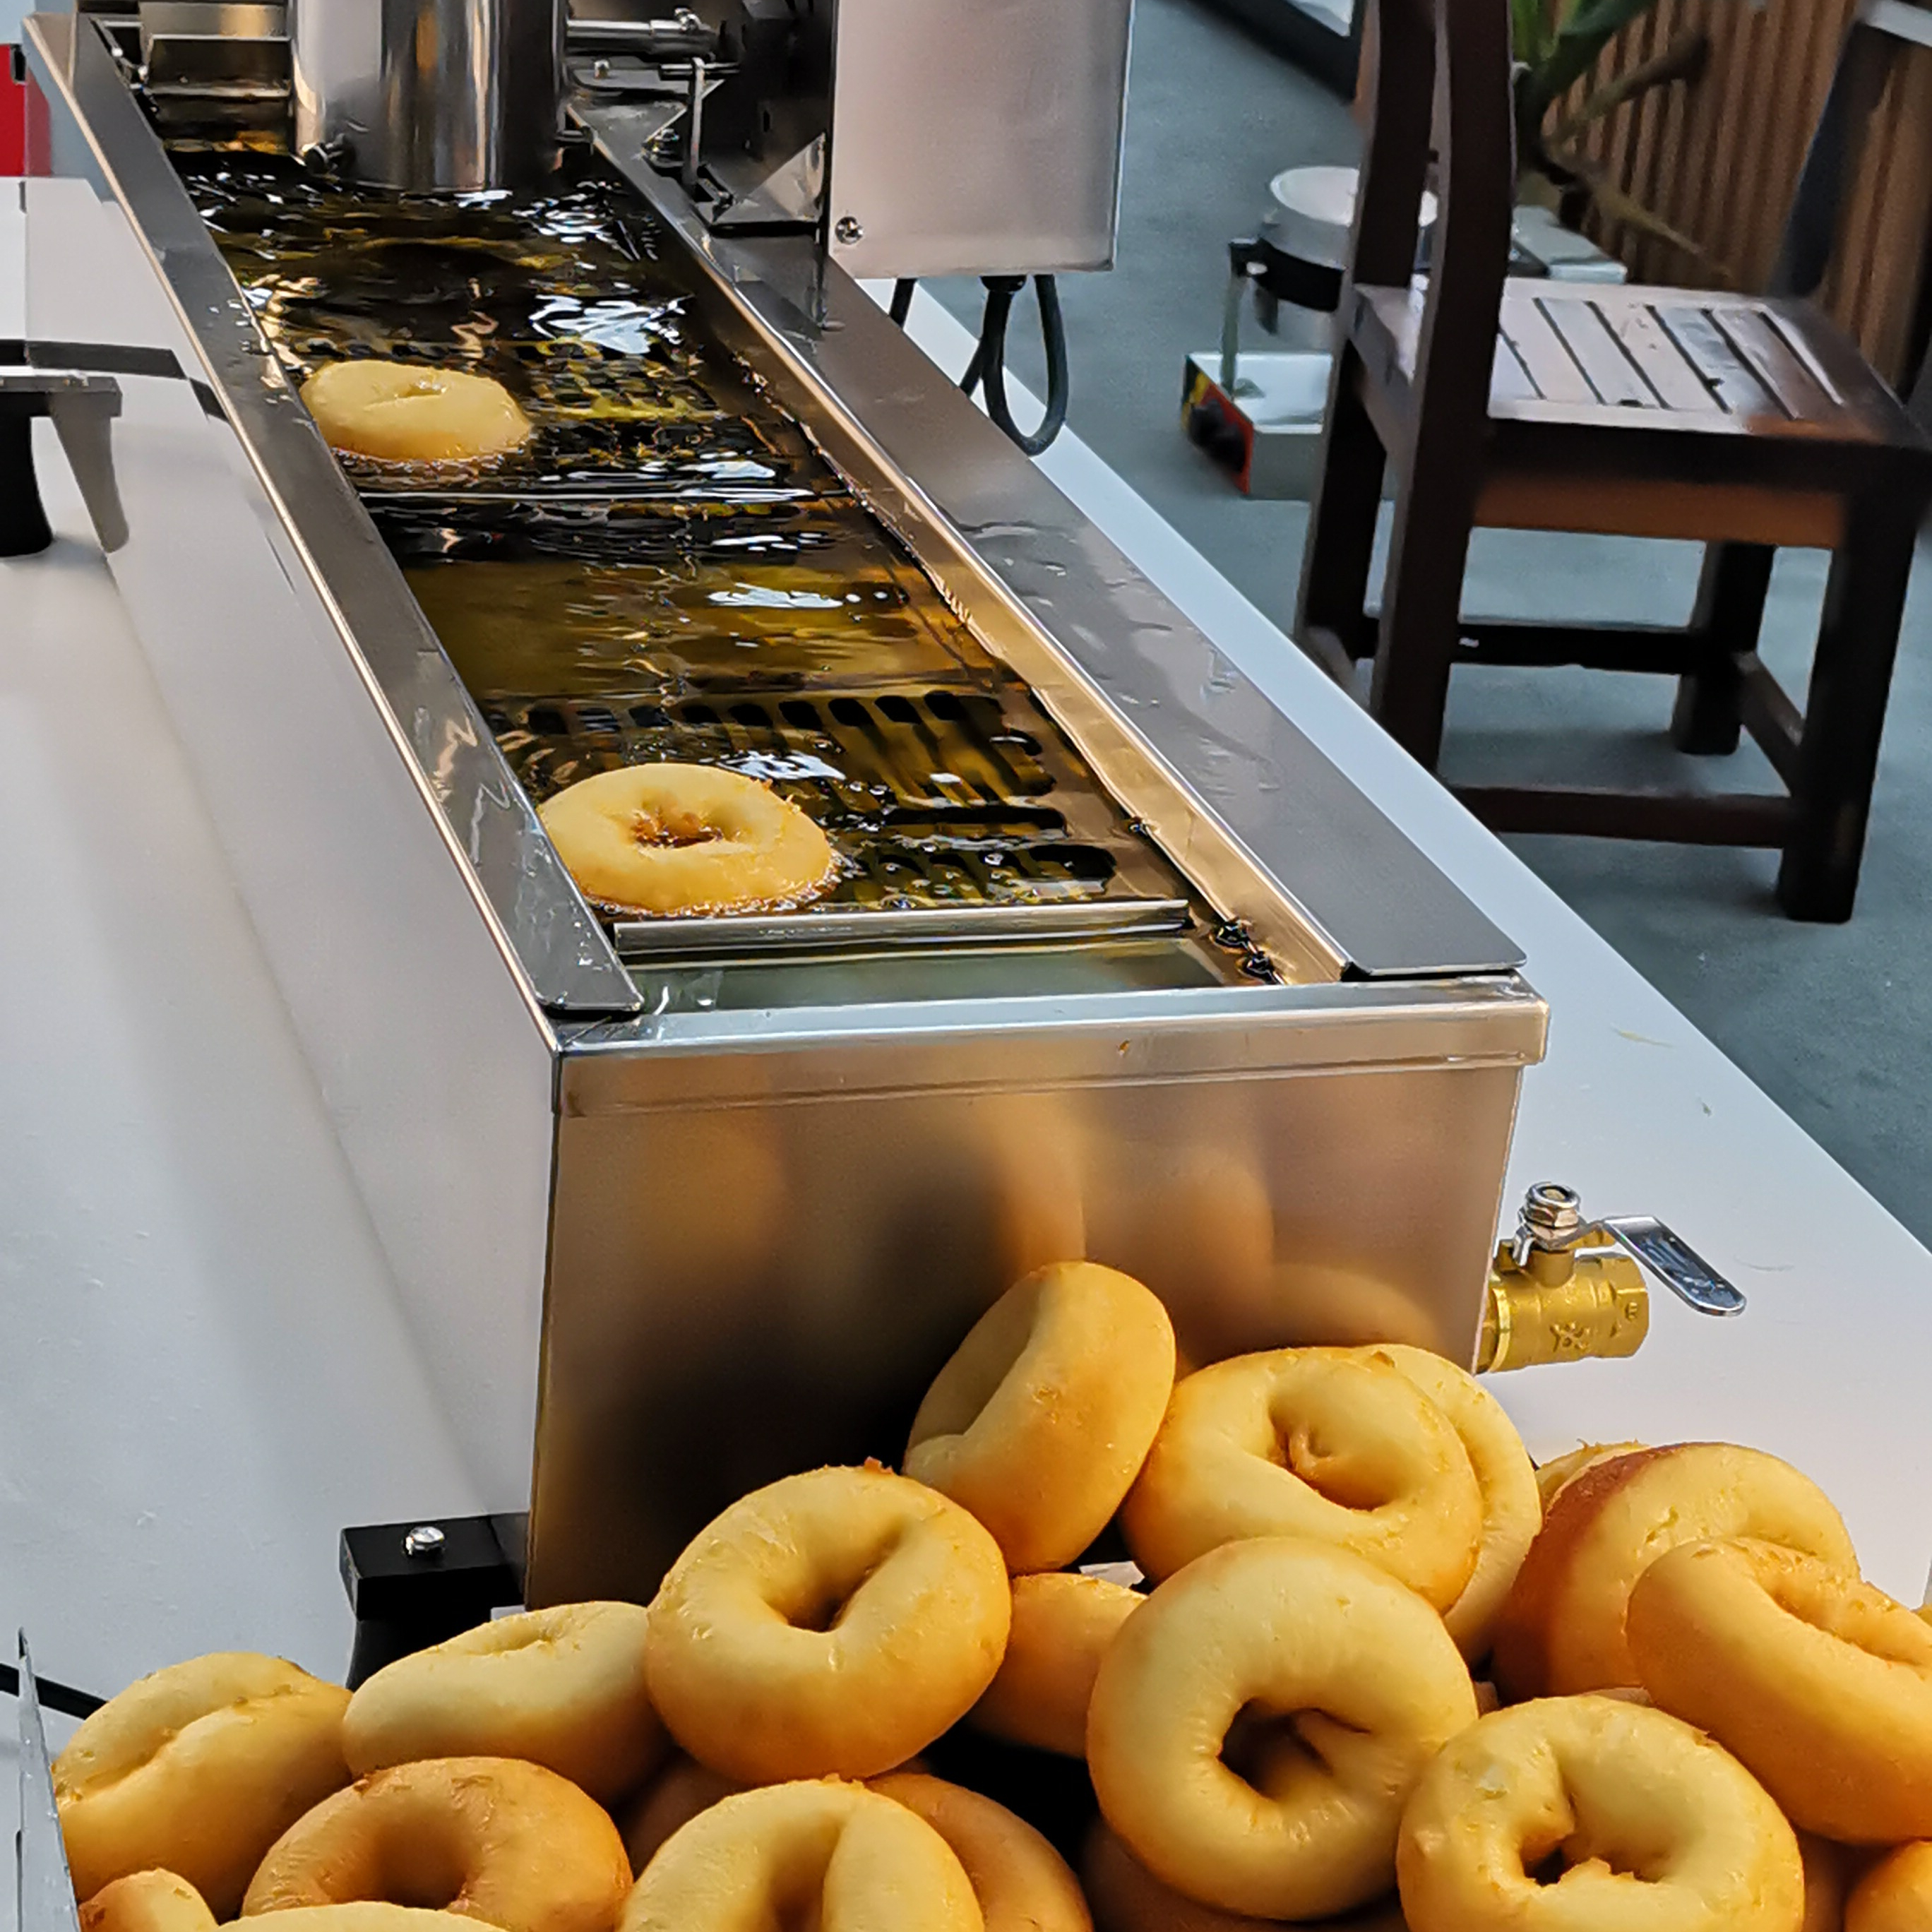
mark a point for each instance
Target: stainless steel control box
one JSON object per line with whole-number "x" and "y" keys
{"x": 912, "y": 137}
{"x": 976, "y": 137}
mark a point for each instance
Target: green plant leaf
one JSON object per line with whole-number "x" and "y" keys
{"x": 1613, "y": 205}
{"x": 1685, "y": 59}
{"x": 1587, "y": 27}
{"x": 1530, "y": 32}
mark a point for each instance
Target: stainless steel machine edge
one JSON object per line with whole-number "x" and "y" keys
{"x": 666, "y": 1252}
{"x": 432, "y": 1051}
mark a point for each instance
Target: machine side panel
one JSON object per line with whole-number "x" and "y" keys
{"x": 742, "y": 1289}
{"x": 435, "y": 1071}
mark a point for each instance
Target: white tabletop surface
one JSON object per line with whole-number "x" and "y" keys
{"x": 205, "y": 1373}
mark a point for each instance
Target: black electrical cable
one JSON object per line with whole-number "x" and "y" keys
{"x": 988, "y": 365}
{"x": 61, "y": 1697}
{"x": 902, "y": 294}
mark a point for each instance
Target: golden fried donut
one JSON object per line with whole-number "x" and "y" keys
{"x": 1562, "y": 1470}
{"x": 1296, "y": 1819}
{"x": 493, "y": 1838}
{"x": 1657, "y": 1829}
{"x": 832, "y": 1622}
{"x": 1125, "y": 1897}
{"x": 197, "y": 1770}
{"x": 1821, "y": 1683}
{"x": 1505, "y": 1478}
{"x": 1062, "y": 1622}
{"x": 668, "y": 839}
{"x": 404, "y": 412}
{"x": 823, "y": 1853}
{"x": 148, "y": 1901}
{"x": 563, "y": 1687}
{"x": 1021, "y": 1883}
{"x": 667, "y": 1804}
{"x": 1317, "y": 1442}
{"x": 1895, "y": 1895}
{"x": 1562, "y": 1629}
{"x": 370, "y": 1914}
{"x": 1041, "y": 1420}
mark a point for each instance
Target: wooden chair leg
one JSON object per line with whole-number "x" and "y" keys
{"x": 1341, "y": 542}
{"x": 1730, "y": 614}
{"x": 1422, "y": 599}
{"x": 1844, "y": 711}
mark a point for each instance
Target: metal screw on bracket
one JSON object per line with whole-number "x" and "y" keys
{"x": 847, "y": 230}
{"x": 425, "y": 1540}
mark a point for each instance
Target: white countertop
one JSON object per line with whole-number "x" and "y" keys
{"x": 205, "y": 1371}
{"x": 206, "y": 1374}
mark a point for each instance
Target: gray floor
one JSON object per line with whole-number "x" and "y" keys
{"x": 1835, "y": 1022}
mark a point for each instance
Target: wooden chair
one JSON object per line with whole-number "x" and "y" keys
{"x": 1745, "y": 423}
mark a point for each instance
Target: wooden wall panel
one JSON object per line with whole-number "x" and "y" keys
{"x": 1719, "y": 159}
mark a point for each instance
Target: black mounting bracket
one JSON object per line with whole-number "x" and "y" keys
{"x": 412, "y": 1584}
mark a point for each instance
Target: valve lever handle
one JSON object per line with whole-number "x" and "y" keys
{"x": 1675, "y": 1263}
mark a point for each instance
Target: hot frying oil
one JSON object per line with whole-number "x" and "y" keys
{"x": 667, "y": 568}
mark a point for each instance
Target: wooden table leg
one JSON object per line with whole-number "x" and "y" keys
{"x": 1844, "y": 713}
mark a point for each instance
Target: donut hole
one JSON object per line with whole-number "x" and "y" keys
{"x": 1335, "y": 1471}
{"x": 1584, "y": 1843}
{"x": 820, "y": 1600}
{"x": 672, "y": 830}
{"x": 412, "y": 1867}
{"x": 827, "y": 1611}
{"x": 798, "y": 1905}
{"x": 1549, "y": 1869}
{"x": 1276, "y": 1753}
{"x": 1247, "y": 1744}
{"x": 532, "y": 1630}
{"x": 1351, "y": 1430}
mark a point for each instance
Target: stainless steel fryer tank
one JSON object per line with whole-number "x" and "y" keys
{"x": 672, "y": 1217}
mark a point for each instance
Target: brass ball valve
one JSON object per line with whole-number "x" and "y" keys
{"x": 1563, "y": 1288}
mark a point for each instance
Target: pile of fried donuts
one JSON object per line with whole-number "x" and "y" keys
{"x": 1372, "y": 1666}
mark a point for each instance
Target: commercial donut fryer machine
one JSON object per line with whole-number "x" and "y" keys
{"x": 1117, "y": 963}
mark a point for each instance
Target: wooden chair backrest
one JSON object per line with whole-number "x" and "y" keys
{"x": 1448, "y": 61}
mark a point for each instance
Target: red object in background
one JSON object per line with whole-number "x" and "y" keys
{"x": 13, "y": 117}
{"x": 23, "y": 119}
